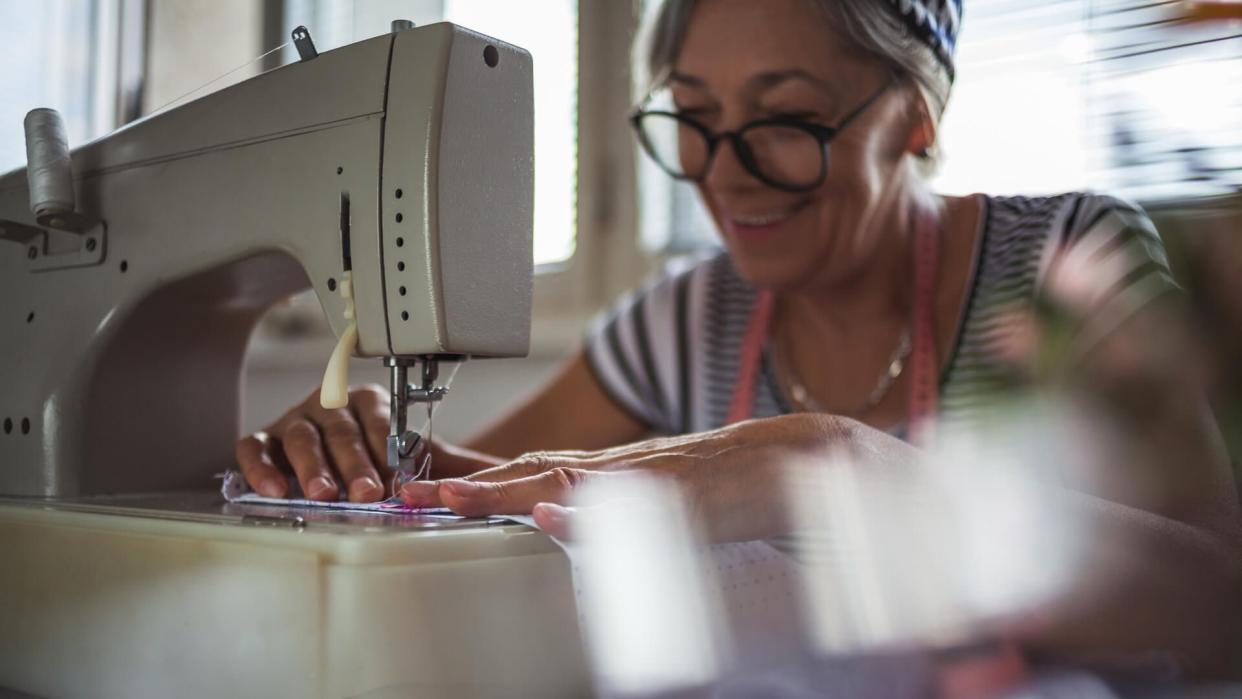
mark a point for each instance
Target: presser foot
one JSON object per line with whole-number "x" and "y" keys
{"x": 403, "y": 453}
{"x": 404, "y": 446}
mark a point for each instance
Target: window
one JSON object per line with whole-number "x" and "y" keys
{"x": 82, "y": 59}
{"x": 551, "y": 36}
{"x": 1165, "y": 99}
{"x": 1126, "y": 96}
{"x": 672, "y": 218}
{"x": 1016, "y": 121}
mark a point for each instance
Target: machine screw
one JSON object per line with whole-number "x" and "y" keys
{"x": 90, "y": 245}
{"x": 32, "y": 252}
{"x": 409, "y": 442}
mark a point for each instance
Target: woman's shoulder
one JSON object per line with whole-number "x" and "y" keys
{"x": 644, "y": 348}
{"x": 1095, "y": 234}
{"x": 1024, "y": 238}
{"x": 1064, "y": 218}
{"x": 1032, "y": 203}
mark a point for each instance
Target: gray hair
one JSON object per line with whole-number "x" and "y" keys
{"x": 871, "y": 25}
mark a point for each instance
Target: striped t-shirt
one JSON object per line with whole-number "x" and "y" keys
{"x": 668, "y": 353}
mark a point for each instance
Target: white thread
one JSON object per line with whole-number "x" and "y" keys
{"x": 217, "y": 79}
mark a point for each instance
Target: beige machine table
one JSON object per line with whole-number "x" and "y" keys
{"x": 180, "y": 596}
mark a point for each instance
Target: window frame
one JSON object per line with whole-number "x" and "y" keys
{"x": 115, "y": 44}
{"x": 608, "y": 258}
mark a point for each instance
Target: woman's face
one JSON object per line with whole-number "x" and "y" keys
{"x": 743, "y": 60}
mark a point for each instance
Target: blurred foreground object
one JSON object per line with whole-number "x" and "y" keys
{"x": 653, "y": 624}
{"x": 1215, "y": 9}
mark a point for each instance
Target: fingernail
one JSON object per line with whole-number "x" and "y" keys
{"x": 271, "y": 488}
{"x": 465, "y": 489}
{"x": 419, "y": 493}
{"x": 553, "y": 517}
{"x": 364, "y": 489}
{"x": 553, "y": 513}
{"x": 320, "y": 488}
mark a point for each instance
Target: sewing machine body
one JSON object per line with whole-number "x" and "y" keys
{"x": 407, "y": 157}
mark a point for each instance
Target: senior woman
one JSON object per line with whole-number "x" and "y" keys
{"x": 853, "y": 309}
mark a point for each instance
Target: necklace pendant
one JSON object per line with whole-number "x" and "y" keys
{"x": 799, "y": 393}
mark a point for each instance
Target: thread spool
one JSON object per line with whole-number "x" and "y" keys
{"x": 49, "y": 170}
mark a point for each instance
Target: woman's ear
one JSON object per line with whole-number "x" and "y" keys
{"x": 922, "y": 129}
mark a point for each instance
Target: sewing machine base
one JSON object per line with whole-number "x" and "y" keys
{"x": 186, "y": 595}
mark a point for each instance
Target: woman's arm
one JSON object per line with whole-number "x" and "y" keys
{"x": 570, "y": 412}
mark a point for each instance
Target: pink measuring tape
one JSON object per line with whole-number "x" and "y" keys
{"x": 924, "y": 367}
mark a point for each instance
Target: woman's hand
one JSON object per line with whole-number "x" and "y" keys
{"x": 331, "y": 449}
{"x": 732, "y": 478}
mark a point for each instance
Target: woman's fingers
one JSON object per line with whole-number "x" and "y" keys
{"x": 421, "y": 494}
{"x": 449, "y": 461}
{"x": 524, "y": 466}
{"x": 477, "y": 499}
{"x": 555, "y": 520}
{"x": 347, "y": 446}
{"x": 452, "y": 463}
{"x": 303, "y": 446}
{"x": 521, "y": 479}
{"x": 326, "y": 449}
{"x": 259, "y": 467}
{"x": 371, "y": 407}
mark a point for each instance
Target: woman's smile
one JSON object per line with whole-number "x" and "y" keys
{"x": 755, "y": 223}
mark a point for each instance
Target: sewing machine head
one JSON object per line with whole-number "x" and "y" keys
{"x": 393, "y": 176}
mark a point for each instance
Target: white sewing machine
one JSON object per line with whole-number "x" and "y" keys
{"x": 398, "y": 168}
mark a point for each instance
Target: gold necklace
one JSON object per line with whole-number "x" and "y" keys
{"x": 807, "y": 403}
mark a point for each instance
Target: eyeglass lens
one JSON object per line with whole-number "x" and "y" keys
{"x": 780, "y": 154}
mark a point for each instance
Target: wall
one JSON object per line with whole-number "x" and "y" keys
{"x": 194, "y": 43}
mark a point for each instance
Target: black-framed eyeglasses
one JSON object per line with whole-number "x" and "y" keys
{"x": 782, "y": 152}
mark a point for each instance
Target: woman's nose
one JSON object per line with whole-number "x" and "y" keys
{"x": 726, "y": 169}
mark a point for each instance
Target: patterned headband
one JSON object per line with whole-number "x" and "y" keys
{"x": 936, "y": 23}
